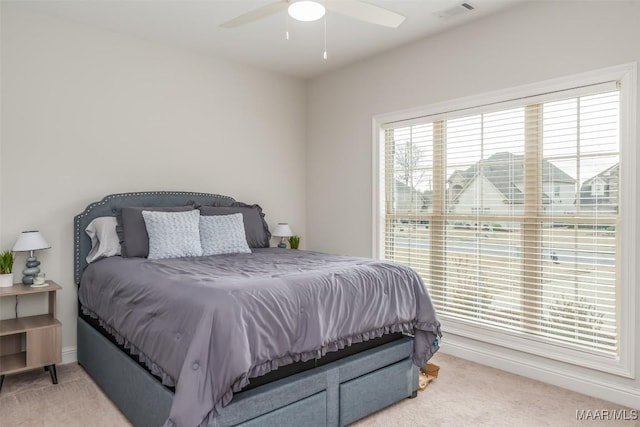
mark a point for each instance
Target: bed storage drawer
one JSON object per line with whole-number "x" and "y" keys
{"x": 371, "y": 392}
{"x": 309, "y": 412}
{"x": 272, "y": 398}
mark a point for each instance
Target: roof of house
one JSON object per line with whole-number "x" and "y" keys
{"x": 612, "y": 170}
{"x": 504, "y": 169}
{"x": 586, "y": 198}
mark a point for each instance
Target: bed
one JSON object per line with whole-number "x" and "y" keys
{"x": 268, "y": 338}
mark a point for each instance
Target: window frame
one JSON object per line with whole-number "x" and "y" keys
{"x": 625, "y": 364}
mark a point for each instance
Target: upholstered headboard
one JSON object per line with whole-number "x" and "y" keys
{"x": 111, "y": 204}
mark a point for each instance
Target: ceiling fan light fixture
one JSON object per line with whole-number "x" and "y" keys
{"x": 306, "y": 10}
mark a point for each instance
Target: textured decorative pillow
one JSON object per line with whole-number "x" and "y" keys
{"x": 255, "y": 227}
{"x": 133, "y": 232}
{"x": 104, "y": 239}
{"x": 173, "y": 234}
{"x": 223, "y": 234}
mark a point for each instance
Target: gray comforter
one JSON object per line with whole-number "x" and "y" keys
{"x": 208, "y": 324}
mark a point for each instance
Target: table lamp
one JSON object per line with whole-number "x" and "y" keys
{"x": 30, "y": 241}
{"x": 282, "y": 230}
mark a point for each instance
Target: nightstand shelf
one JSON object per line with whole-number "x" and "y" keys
{"x": 13, "y": 363}
{"x": 32, "y": 341}
{"x": 23, "y": 324}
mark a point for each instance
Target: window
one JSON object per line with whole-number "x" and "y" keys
{"x": 510, "y": 213}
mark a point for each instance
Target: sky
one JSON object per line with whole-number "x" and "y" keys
{"x": 579, "y": 135}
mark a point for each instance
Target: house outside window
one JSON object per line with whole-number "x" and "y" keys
{"x": 520, "y": 201}
{"x": 597, "y": 187}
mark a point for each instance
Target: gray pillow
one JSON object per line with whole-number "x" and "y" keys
{"x": 223, "y": 234}
{"x": 173, "y": 234}
{"x": 104, "y": 239}
{"x": 131, "y": 229}
{"x": 255, "y": 227}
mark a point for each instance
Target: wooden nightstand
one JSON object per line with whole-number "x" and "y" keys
{"x": 32, "y": 341}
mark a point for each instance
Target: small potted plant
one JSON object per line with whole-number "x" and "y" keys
{"x": 6, "y": 269}
{"x": 294, "y": 242}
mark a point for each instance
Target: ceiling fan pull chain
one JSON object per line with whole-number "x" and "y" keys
{"x": 325, "y": 35}
{"x": 286, "y": 33}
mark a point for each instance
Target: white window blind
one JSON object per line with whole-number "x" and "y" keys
{"x": 509, "y": 211}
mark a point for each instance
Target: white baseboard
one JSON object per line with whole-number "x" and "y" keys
{"x": 615, "y": 393}
{"x": 69, "y": 355}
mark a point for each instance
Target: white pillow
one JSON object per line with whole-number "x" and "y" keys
{"x": 104, "y": 239}
{"x": 173, "y": 234}
{"x": 223, "y": 234}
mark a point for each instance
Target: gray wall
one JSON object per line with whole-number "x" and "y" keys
{"x": 87, "y": 112}
{"x": 529, "y": 43}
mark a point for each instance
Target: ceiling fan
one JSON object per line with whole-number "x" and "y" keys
{"x": 308, "y": 10}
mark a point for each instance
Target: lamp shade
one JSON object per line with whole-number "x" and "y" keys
{"x": 282, "y": 230}
{"x": 30, "y": 241}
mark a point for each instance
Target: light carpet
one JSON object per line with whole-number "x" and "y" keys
{"x": 464, "y": 394}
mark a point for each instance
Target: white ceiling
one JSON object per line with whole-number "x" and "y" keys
{"x": 195, "y": 25}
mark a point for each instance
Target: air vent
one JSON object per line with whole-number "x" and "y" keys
{"x": 456, "y": 10}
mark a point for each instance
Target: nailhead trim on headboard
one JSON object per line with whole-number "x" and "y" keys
{"x": 80, "y": 264}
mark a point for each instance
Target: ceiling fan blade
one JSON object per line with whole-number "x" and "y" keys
{"x": 366, "y": 12}
{"x": 256, "y": 14}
